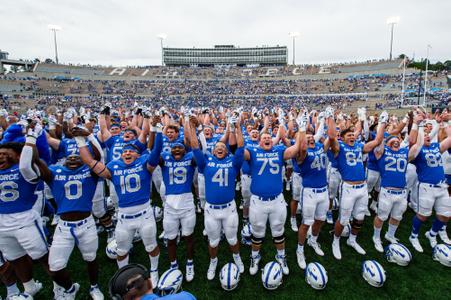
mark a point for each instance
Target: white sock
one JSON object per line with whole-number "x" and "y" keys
{"x": 29, "y": 285}
{"x": 336, "y": 238}
{"x": 214, "y": 260}
{"x": 123, "y": 263}
{"x": 154, "y": 262}
{"x": 281, "y": 252}
{"x": 314, "y": 238}
{"x": 174, "y": 264}
{"x": 12, "y": 289}
{"x": 300, "y": 248}
{"x": 352, "y": 238}
{"x": 255, "y": 253}
{"x": 392, "y": 229}
{"x": 236, "y": 256}
{"x": 377, "y": 233}
{"x": 189, "y": 261}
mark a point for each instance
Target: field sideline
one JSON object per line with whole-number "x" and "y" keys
{"x": 422, "y": 279}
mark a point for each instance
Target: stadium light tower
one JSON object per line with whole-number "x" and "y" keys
{"x": 392, "y": 21}
{"x": 161, "y": 37}
{"x": 294, "y": 35}
{"x": 426, "y": 75}
{"x": 55, "y": 28}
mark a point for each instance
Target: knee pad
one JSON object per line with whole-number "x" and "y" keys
{"x": 214, "y": 243}
{"x": 279, "y": 239}
{"x": 89, "y": 257}
{"x": 99, "y": 208}
{"x": 256, "y": 240}
{"x": 232, "y": 241}
{"x": 151, "y": 247}
{"x": 355, "y": 224}
{"x": 57, "y": 265}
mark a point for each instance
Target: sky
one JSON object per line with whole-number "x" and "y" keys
{"x": 121, "y": 32}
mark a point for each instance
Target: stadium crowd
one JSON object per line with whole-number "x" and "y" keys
{"x": 89, "y": 162}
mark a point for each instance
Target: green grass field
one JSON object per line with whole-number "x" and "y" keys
{"x": 422, "y": 279}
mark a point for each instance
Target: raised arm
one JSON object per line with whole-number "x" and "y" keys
{"x": 96, "y": 166}
{"x": 416, "y": 148}
{"x": 293, "y": 151}
{"x": 239, "y": 134}
{"x": 154, "y": 157}
{"x": 104, "y": 131}
{"x": 446, "y": 143}
{"x": 383, "y": 119}
{"x": 30, "y": 166}
{"x": 331, "y": 141}
{"x": 145, "y": 128}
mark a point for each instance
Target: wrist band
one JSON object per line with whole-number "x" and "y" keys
{"x": 30, "y": 139}
{"x": 81, "y": 141}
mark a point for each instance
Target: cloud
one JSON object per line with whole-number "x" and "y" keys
{"x": 124, "y": 32}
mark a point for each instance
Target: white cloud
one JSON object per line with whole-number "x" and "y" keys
{"x": 124, "y": 32}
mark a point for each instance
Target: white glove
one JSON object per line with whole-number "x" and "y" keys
{"x": 383, "y": 118}
{"x": 82, "y": 111}
{"x": 73, "y": 111}
{"x": 232, "y": 121}
{"x": 33, "y": 134}
{"x": 321, "y": 116}
{"x": 67, "y": 116}
{"x": 3, "y": 113}
{"x": 361, "y": 112}
{"x": 329, "y": 112}
{"x": 302, "y": 120}
{"x": 406, "y": 118}
{"x": 281, "y": 120}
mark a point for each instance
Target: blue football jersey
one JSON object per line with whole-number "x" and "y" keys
{"x": 332, "y": 159}
{"x": 314, "y": 167}
{"x": 372, "y": 163}
{"x": 266, "y": 171}
{"x": 392, "y": 166}
{"x": 219, "y": 175}
{"x": 350, "y": 162}
{"x": 249, "y": 145}
{"x": 68, "y": 147}
{"x": 16, "y": 194}
{"x": 73, "y": 190}
{"x": 131, "y": 182}
{"x": 167, "y": 143}
{"x": 429, "y": 164}
{"x": 177, "y": 174}
{"x": 211, "y": 142}
{"x": 115, "y": 144}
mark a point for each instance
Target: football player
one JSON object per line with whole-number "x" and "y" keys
{"x": 314, "y": 197}
{"x": 73, "y": 186}
{"x": 220, "y": 170}
{"x": 392, "y": 159}
{"x": 21, "y": 232}
{"x": 353, "y": 189}
{"x": 432, "y": 187}
{"x": 179, "y": 212}
{"x": 131, "y": 177}
{"x": 267, "y": 202}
